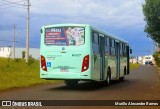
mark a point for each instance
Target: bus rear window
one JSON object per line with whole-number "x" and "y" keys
{"x": 64, "y": 36}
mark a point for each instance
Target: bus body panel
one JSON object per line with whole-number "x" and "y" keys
{"x": 112, "y": 64}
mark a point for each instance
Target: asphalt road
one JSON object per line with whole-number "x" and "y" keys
{"x": 142, "y": 84}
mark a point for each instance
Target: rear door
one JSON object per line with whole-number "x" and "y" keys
{"x": 102, "y": 56}
{"x": 117, "y": 59}
{"x": 99, "y": 55}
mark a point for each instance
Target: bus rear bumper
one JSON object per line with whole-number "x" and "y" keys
{"x": 64, "y": 76}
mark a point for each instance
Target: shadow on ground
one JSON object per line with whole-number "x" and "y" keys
{"x": 92, "y": 85}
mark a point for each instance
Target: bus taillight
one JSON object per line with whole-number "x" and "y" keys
{"x": 85, "y": 63}
{"x": 43, "y": 63}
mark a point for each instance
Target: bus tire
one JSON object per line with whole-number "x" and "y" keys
{"x": 71, "y": 83}
{"x": 122, "y": 78}
{"x": 108, "y": 78}
{"x": 125, "y": 71}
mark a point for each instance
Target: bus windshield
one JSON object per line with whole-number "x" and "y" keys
{"x": 64, "y": 36}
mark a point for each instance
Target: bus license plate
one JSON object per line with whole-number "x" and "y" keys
{"x": 64, "y": 70}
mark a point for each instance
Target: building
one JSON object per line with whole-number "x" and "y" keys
{"x": 8, "y": 52}
{"x": 140, "y": 59}
{"x": 144, "y": 60}
{"x": 133, "y": 60}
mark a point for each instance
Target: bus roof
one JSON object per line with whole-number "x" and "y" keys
{"x": 109, "y": 35}
{"x": 92, "y": 27}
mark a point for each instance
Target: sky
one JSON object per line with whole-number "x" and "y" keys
{"x": 123, "y": 18}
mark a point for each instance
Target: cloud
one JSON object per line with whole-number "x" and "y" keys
{"x": 116, "y": 13}
{"x": 120, "y": 17}
{"x": 112, "y": 13}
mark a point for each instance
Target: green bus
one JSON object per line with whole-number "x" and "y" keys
{"x": 75, "y": 52}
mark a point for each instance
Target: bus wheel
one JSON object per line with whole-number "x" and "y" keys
{"x": 108, "y": 79}
{"x": 122, "y": 78}
{"x": 71, "y": 83}
{"x": 125, "y": 73}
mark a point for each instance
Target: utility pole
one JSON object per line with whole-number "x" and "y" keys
{"x": 14, "y": 40}
{"x": 27, "y": 32}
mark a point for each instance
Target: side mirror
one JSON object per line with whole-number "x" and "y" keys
{"x": 41, "y": 31}
{"x": 130, "y": 50}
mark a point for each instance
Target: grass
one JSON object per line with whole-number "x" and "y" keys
{"x": 134, "y": 66}
{"x": 16, "y": 73}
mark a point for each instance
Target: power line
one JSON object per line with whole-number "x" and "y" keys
{"x": 18, "y": 42}
{"x": 5, "y": 7}
{"x": 8, "y": 4}
{"x": 8, "y": 41}
{"x": 5, "y": 41}
{"x": 22, "y": 43}
{"x": 13, "y": 3}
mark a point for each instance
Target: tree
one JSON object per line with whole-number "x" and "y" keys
{"x": 151, "y": 11}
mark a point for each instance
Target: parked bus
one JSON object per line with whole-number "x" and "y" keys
{"x": 75, "y": 52}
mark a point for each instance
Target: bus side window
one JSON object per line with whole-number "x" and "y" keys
{"x": 107, "y": 46}
{"x": 124, "y": 51}
{"x": 107, "y": 42}
{"x": 93, "y": 37}
{"x": 95, "y": 43}
{"x": 113, "y": 43}
{"x": 112, "y": 47}
{"x": 96, "y": 39}
{"x": 121, "y": 49}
